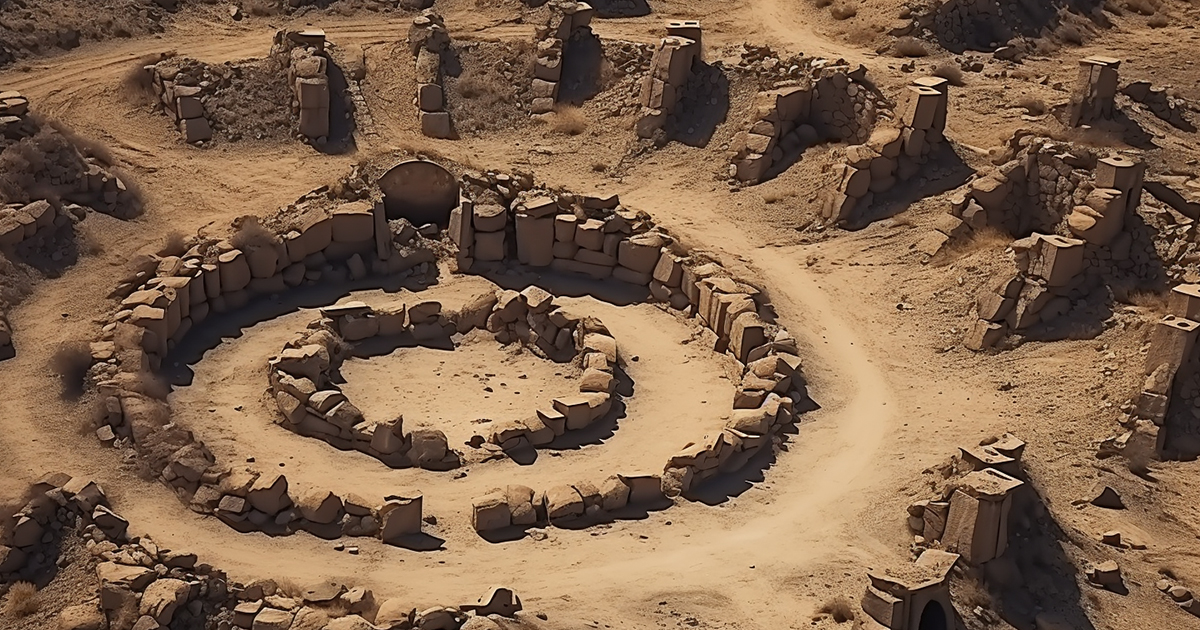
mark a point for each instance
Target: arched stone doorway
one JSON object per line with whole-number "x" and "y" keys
{"x": 422, "y": 192}
{"x": 933, "y": 617}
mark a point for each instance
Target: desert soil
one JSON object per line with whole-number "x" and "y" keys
{"x": 879, "y": 329}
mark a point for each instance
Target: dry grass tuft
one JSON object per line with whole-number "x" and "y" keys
{"x": 138, "y": 83}
{"x": 843, "y": 11}
{"x": 252, "y": 236}
{"x": 909, "y": 47}
{"x": 22, "y": 600}
{"x": 973, "y": 594}
{"x": 175, "y": 243}
{"x": 950, "y": 72}
{"x": 839, "y": 608}
{"x": 599, "y": 167}
{"x": 1152, "y": 300}
{"x": 568, "y": 120}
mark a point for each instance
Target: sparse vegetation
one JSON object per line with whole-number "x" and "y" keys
{"x": 569, "y": 120}
{"x": 909, "y": 47}
{"x": 175, "y": 243}
{"x": 262, "y": 8}
{"x": 950, "y": 72}
{"x": 839, "y": 608}
{"x": 252, "y": 235}
{"x": 599, "y": 167}
{"x": 22, "y": 600}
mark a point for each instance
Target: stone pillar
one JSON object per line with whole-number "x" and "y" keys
{"x": 977, "y": 524}
{"x": 1095, "y": 90}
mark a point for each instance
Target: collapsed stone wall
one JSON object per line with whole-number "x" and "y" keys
{"x": 36, "y": 160}
{"x": 303, "y": 54}
{"x": 821, "y": 100}
{"x": 428, "y": 40}
{"x": 985, "y": 25}
{"x": 248, "y": 99}
{"x": 569, "y": 23}
{"x": 893, "y": 153}
{"x": 182, "y": 98}
{"x": 1162, "y": 105}
{"x": 143, "y": 584}
{"x": 678, "y": 56}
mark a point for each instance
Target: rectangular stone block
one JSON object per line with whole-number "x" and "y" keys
{"x": 535, "y": 240}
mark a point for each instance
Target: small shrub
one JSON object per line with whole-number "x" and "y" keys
{"x": 22, "y": 600}
{"x": 599, "y": 167}
{"x": 88, "y": 242}
{"x": 1158, "y": 21}
{"x": 252, "y": 236}
{"x": 843, "y": 11}
{"x": 1032, "y": 105}
{"x": 949, "y": 72}
{"x": 569, "y": 120}
{"x": 1154, "y": 301}
{"x": 839, "y": 608}
{"x": 909, "y": 47}
{"x": 138, "y": 83}
{"x": 174, "y": 244}
{"x": 974, "y": 595}
{"x": 71, "y": 360}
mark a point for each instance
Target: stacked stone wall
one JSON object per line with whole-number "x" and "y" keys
{"x": 428, "y": 41}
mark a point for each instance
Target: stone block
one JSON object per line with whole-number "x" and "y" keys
{"x": 535, "y": 240}
{"x": 314, "y": 123}
{"x": 430, "y": 97}
{"x": 920, "y": 107}
{"x": 436, "y": 125}
{"x": 195, "y": 130}
{"x": 400, "y": 517}
{"x": 1056, "y": 259}
{"x": 490, "y": 246}
{"x": 1184, "y": 301}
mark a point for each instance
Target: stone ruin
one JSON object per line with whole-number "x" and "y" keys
{"x": 892, "y": 153}
{"x": 971, "y": 518}
{"x": 428, "y": 40}
{"x": 1173, "y": 111}
{"x": 569, "y": 23}
{"x": 1095, "y": 92}
{"x": 147, "y": 585}
{"x": 182, "y": 100}
{"x": 596, "y": 237}
{"x": 914, "y": 597}
{"x": 1055, "y": 271}
{"x": 303, "y": 54}
{"x": 828, "y": 101}
{"x": 500, "y": 219}
{"x": 670, "y": 70}
{"x": 312, "y": 405}
{"x": 1167, "y": 407}
{"x": 31, "y": 226}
